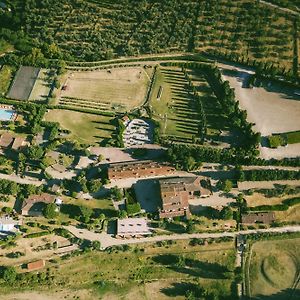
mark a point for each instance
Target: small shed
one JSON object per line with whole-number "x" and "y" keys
{"x": 36, "y": 265}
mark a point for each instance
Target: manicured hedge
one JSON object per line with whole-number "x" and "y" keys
{"x": 36, "y": 234}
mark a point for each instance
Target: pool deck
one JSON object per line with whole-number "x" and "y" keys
{"x": 10, "y": 108}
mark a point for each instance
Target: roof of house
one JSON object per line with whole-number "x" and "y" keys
{"x": 18, "y": 143}
{"x": 139, "y": 169}
{"x": 32, "y": 199}
{"x": 6, "y": 140}
{"x": 132, "y": 226}
{"x": 8, "y": 220}
{"x": 35, "y": 265}
{"x": 261, "y": 217}
{"x": 188, "y": 184}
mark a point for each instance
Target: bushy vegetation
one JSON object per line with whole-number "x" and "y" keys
{"x": 95, "y": 30}
{"x": 272, "y": 174}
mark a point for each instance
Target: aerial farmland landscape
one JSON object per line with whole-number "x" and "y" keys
{"x": 149, "y": 149}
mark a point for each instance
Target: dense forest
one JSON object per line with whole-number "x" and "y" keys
{"x": 94, "y": 30}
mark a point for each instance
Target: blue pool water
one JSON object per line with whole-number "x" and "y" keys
{"x": 6, "y": 114}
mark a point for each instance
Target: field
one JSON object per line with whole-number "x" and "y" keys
{"x": 151, "y": 273}
{"x": 23, "y": 83}
{"x": 6, "y": 75}
{"x": 5, "y": 47}
{"x": 175, "y": 109}
{"x": 111, "y": 89}
{"x": 178, "y": 112}
{"x": 291, "y": 215}
{"x": 41, "y": 88}
{"x": 275, "y": 270}
{"x": 93, "y": 30}
{"x": 84, "y": 127}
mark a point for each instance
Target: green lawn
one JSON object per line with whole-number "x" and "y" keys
{"x": 293, "y": 137}
{"x": 6, "y": 75}
{"x": 175, "y": 110}
{"x": 282, "y": 139}
{"x": 84, "y": 127}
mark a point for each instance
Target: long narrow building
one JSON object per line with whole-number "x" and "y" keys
{"x": 139, "y": 169}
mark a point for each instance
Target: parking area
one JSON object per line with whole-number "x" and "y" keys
{"x": 138, "y": 132}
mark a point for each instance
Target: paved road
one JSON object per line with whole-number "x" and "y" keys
{"x": 287, "y": 10}
{"x": 20, "y": 180}
{"x": 108, "y": 240}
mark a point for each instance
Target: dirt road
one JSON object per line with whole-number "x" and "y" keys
{"x": 108, "y": 240}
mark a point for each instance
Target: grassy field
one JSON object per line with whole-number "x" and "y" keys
{"x": 291, "y": 215}
{"x": 175, "y": 109}
{"x": 5, "y": 46}
{"x": 6, "y": 75}
{"x": 147, "y": 271}
{"x": 260, "y": 199}
{"x": 118, "y": 88}
{"x": 84, "y": 127}
{"x": 275, "y": 269}
{"x": 41, "y": 87}
{"x": 283, "y": 139}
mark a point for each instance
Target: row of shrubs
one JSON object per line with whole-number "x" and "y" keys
{"x": 150, "y": 58}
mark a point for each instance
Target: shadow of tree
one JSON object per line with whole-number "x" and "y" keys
{"x": 193, "y": 267}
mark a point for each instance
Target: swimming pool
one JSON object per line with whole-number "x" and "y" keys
{"x": 6, "y": 114}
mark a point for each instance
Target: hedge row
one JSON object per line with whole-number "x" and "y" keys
{"x": 36, "y": 234}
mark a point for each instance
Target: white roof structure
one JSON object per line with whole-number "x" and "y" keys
{"x": 7, "y": 224}
{"x": 58, "y": 201}
{"x": 133, "y": 227}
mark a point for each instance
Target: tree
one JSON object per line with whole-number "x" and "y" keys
{"x": 50, "y": 211}
{"x": 225, "y": 186}
{"x": 94, "y": 185}
{"x": 7, "y": 210}
{"x": 35, "y": 152}
{"x": 122, "y": 214}
{"x": 86, "y": 213}
{"x": 226, "y": 213}
{"x": 96, "y": 245}
{"x": 190, "y": 228}
{"x": 116, "y": 193}
{"x": 9, "y": 274}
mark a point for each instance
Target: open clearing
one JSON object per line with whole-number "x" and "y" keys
{"x": 6, "y": 75}
{"x": 117, "y": 88}
{"x": 41, "y": 87}
{"x": 273, "y": 110}
{"x": 144, "y": 274}
{"x": 275, "y": 269}
{"x": 84, "y": 127}
{"x": 23, "y": 83}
